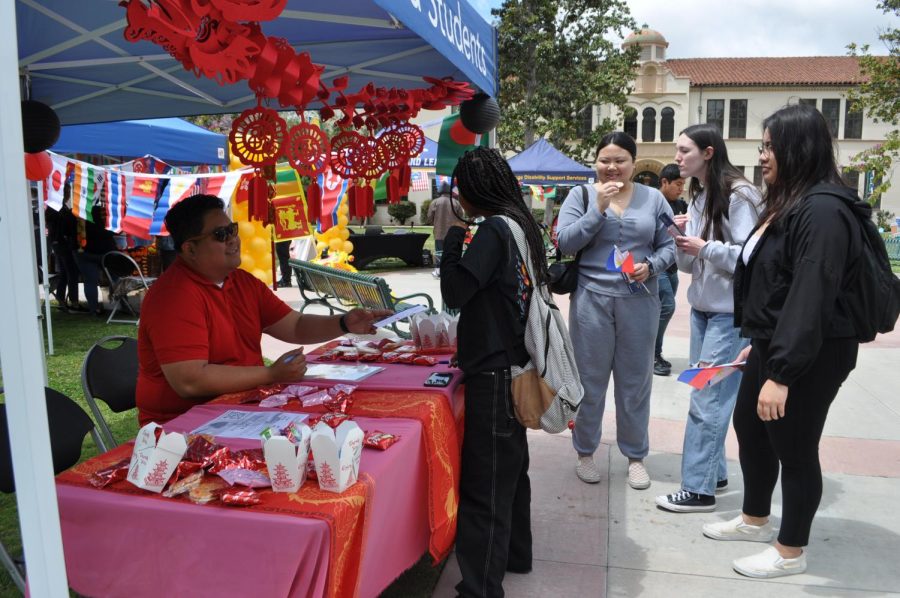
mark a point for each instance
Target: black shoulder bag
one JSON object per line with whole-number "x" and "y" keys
{"x": 564, "y": 275}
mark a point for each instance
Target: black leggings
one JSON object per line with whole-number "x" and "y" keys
{"x": 792, "y": 441}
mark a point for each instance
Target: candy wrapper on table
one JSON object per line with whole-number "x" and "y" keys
{"x": 436, "y": 332}
{"x": 153, "y": 461}
{"x": 286, "y": 458}
{"x": 337, "y": 452}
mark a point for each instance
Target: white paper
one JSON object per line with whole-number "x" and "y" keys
{"x": 347, "y": 372}
{"x": 247, "y": 424}
{"x": 400, "y": 316}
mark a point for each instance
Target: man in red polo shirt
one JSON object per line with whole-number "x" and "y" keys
{"x": 202, "y": 321}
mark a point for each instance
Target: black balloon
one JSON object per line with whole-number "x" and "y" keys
{"x": 480, "y": 114}
{"x": 40, "y": 126}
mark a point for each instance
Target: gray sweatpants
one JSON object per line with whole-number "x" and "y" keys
{"x": 614, "y": 335}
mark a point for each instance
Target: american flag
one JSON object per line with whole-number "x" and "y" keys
{"x": 419, "y": 181}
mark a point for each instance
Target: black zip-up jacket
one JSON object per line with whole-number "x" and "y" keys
{"x": 798, "y": 277}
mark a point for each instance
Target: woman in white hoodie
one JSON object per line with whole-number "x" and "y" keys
{"x": 724, "y": 210}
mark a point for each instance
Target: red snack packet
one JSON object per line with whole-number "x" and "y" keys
{"x": 330, "y": 418}
{"x": 391, "y": 356}
{"x": 270, "y": 390}
{"x": 184, "y": 469}
{"x": 424, "y": 360}
{"x": 368, "y": 357}
{"x": 379, "y": 440}
{"x": 328, "y": 356}
{"x": 200, "y": 448}
{"x": 316, "y": 398}
{"x": 350, "y": 356}
{"x": 114, "y": 473}
{"x": 339, "y": 404}
{"x": 240, "y": 498}
{"x": 219, "y": 460}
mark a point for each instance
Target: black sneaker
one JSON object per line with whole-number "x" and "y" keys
{"x": 686, "y": 502}
{"x": 721, "y": 485}
{"x": 661, "y": 367}
{"x": 664, "y": 361}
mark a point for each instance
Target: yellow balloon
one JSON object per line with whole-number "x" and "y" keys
{"x": 347, "y": 247}
{"x": 260, "y": 246}
{"x": 335, "y": 244}
{"x": 247, "y": 262}
{"x": 235, "y": 163}
{"x": 239, "y": 211}
{"x": 343, "y": 220}
{"x": 343, "y": 234}
{"x": 246, "y": 230}
{"x": 263, "y": 275}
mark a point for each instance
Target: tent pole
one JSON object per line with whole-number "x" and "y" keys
{"x": 21, "y": 353}
{"x": 45, "y": 268}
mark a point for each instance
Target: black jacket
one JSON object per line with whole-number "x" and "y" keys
{"x": 800, "y": 273}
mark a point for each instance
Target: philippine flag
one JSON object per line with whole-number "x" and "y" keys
{"x": 700, "y": 378}
{"x": 620, "y": 261}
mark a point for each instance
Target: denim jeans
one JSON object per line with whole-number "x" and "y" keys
{"x": 89, "y": 265}
{"x": 668, "y": 287}
{"x": 714, "y": 340}
{"x": 493, "y": 530}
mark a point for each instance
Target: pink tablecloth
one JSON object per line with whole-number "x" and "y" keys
{"x": 123, "y": 545}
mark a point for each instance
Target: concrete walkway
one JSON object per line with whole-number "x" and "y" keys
{"x": 610, "y": 540}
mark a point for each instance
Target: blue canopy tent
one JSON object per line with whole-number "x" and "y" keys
{"x": 543, "y": 164}
{"x": 172, "y": 140}
{"x": 73, "y": 57}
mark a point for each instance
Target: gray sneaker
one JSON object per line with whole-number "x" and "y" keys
{"x": 736, "y": 529}
{"x": 587, "y": 471}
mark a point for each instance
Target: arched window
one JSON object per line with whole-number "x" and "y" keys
{"x": 648, "y": 125}
{"x": 630, "y": 125}
{"x": 667, "y": 125}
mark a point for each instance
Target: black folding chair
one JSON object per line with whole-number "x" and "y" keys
{"x": 109, "y": 374}
{"x": 69, "y": 425}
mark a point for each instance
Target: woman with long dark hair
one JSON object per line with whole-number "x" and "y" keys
{"x": 724, "y": 209}
{"x": 794, "y": 279}
{"x": 614, "y": 317}
{"x": 486, "y": 279}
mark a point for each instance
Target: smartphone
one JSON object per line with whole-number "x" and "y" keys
{"x": 439, "y": 379}
{"x": 669, "y": 223}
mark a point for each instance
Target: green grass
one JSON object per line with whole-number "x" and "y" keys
{"x": 73, "y": 335}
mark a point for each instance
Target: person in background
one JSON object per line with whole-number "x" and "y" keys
{"x": 201, "y": 322}
{"x": 93, "y": 242}
{"x": 442, "y": 214}
{"x": 724, "y": 209}
{"x": 166, "y": 246}
{"x": 614, "y": 317}
{"x": 796, "y": 277}
{"x": 283, "y": 251}
{"x": 671, "y": 185}
{"x": 489, "y": 283}
{"x": 63, "y": 233}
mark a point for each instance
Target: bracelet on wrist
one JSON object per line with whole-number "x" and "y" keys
{"x": 342, "y": 322}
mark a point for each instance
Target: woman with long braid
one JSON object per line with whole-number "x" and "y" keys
{"x": 487, "y": 280}
{"x": 613, "y": 319}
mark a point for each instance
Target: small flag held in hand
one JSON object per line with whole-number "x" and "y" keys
{"x": 620, "y": 261}
{"x": 700, "y": 378}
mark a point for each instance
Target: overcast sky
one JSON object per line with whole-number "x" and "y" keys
{"x": 720, "y": 28}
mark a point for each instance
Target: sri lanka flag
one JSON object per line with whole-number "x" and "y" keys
{"x": 453, "y": 142}
{"x": 620, "y": 261}
{"x": 700, "y": 378}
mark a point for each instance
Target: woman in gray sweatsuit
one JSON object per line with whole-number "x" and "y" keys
{"x": 724, "y": 210}
{"x": 613, "y": 321}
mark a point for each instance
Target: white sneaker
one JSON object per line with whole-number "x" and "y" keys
{"x": 638, "y": 478}
{"x": 769, "y": 563}
{"x": 736, "y": 529}
{"x": 587, "y": 471}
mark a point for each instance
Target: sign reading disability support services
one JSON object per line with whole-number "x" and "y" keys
{"x": 455, "y": 30}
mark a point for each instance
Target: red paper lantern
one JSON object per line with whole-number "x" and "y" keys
{"x": 38, "y": 166}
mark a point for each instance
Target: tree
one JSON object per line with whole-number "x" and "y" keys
{"x": 402, "y": 211}
{"x": 879, "y": 96}
{"x": 555, "y": 63}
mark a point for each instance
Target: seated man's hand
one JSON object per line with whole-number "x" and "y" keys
{"x": 289, "y": 367}
{"x": 362, "y": 321}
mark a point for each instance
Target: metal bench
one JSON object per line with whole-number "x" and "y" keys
{"x": 893, "y": 248}
{"x": 339, "y": 290}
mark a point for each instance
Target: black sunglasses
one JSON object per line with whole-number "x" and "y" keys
{"x": 222, "y": 234}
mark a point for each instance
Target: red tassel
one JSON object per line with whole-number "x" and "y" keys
{"x": 393, "y": 188}
{"x": 352, "y": 200}
{"x": 313, "y": 201}
{"x": 405, "y": 174}
{"x": 370, "y": 202}
{"x": 259, "y": 199}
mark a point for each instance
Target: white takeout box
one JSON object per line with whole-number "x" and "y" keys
{"x": 435, "y": 331}
{"x": 337, "y": 454}
{"x": 286, "y": 461}
{"x": 152, "y": 462}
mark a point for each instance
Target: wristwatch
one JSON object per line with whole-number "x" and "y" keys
{"x": 342, "y": 322}
{"x": 649, "y": 267}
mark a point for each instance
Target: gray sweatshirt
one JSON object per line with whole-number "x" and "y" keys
{"x": 712, "y": 272}
{"x": 639, "y": 231}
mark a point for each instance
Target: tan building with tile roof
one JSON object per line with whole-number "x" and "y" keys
{"x": 737, "y": 94}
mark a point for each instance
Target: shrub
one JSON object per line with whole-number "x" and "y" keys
{"x": 402, "y": 211}
{"x": 423, "y": 214}
{"x": 884, "y": 220}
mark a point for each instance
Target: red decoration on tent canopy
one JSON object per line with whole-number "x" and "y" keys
{"x": 282, "y": 73}
{"x": 38, "y": 166}
{"x": 314, "y": 201}
{"x": 347, "y": 150}
{"x": 257, "y": 136}
{"x": 248, "y": 10}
